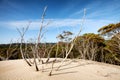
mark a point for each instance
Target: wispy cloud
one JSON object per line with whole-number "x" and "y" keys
{"x": 79, "y": 12}
{"x": 103, "y": 10}
{"x": 53, "y": 23}
{"x": 89, "y": 24}
{"x": 92, "y": 25}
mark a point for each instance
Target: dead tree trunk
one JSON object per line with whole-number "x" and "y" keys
{"x": 22, "y": 33}
{"x": 72, "y": 43}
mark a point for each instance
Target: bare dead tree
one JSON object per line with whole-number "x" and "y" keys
{"x": 35, "y": 49}
{"x": 2, "y": 58}
{"x": 37, "y": 55}
{"x": 49, "y": 52}
{"x": 52, "y": 67}
{"x": 8, "y": 50}
{"x": 22, "y": 33}
{"x": 72, "y": 42}
{"x": 34, "y": 54}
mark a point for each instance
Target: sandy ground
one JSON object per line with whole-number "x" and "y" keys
{"x": 75, "y": 70}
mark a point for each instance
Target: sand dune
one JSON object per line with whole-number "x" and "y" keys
{"x": 76, "y": 70}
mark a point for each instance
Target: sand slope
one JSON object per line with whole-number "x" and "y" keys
{"x": 76, "y": 70}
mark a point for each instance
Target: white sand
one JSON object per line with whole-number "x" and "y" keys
{"x": 76, "y": 70}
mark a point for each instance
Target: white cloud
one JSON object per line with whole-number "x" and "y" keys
{"x": 53, "y": 23}
{"x": 77, "y": 13}
{"x": 90, "y": 24}
{"x": 80, "y": 12}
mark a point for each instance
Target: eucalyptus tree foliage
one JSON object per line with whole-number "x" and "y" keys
{"x": 113, "y": 44}
{"x": 66, "y": 38}
{"x": 110, "y": 30}
{"x": 89, "y": 46}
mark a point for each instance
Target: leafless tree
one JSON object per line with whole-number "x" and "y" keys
{"x": 22, "y": 33}
{"x": 10, "y": 51}
{"x": 35, "y": 47}
{"x": 72, "y": 42}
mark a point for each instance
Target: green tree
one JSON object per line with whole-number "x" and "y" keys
{"x": 110, "y": 30}
{"x": 112, "y": 48}
{"x": 89, "y": 46}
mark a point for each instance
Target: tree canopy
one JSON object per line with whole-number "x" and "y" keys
{"x": 109, "y": 30}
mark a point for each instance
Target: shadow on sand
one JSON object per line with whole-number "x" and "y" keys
{"x": 64, "y": 73}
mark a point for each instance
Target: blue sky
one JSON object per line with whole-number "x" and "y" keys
{"x": 61, "y": 15}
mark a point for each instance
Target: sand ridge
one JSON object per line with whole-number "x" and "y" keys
{"x": 71, "y": 70}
